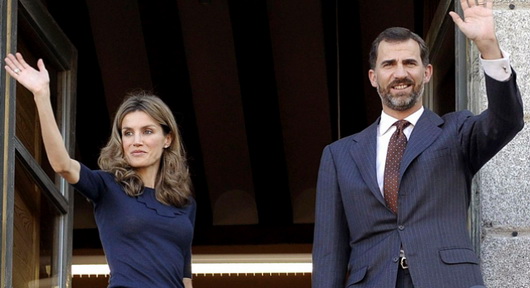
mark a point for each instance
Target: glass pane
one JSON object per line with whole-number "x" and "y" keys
{"x": 27, "y": 121}
{"x": 35, "y": 224}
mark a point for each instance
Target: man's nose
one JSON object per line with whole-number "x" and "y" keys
{"x": 400, "y": 71}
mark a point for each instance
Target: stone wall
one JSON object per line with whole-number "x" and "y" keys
{"x": 502, "y": 187}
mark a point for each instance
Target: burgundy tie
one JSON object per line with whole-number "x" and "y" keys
{"x": 396, "y": 146}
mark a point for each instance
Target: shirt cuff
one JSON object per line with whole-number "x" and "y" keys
{"x": 498, "y": 69}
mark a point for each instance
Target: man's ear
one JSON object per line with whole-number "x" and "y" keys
{"x": 372, "y": 77}
{"x": 428, "y": 73}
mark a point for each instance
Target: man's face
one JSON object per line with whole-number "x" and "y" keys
{"x": 399, "y": 75}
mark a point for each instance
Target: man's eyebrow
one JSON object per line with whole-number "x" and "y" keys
{"x": 390, "y": 61}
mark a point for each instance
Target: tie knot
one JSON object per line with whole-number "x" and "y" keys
{"x": 401, "y": 124}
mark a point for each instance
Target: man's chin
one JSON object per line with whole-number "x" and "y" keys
{"x": 400, "y": 95}
{"x": 402, "y": 104}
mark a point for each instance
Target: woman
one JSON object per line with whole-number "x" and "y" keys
{"x": 142, "y": 195}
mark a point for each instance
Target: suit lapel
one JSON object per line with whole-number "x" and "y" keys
{"x": 424, "y": 134}
{"x": 364, "y": 154}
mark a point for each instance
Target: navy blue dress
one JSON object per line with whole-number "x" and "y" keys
{"x": 146, "y": 243}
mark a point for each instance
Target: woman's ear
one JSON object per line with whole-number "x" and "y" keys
{"x": 168, "y": 141}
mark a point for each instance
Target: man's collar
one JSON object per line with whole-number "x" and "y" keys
{"x": 387, "y": 121}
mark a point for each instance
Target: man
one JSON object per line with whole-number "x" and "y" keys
{"x": 420, "y": 238}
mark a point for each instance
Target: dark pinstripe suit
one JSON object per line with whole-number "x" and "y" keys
{"x": 357, "y": 238}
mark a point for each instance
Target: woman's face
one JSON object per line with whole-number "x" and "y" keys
{"x": 143, "y": 141}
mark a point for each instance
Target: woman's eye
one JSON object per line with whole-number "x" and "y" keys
{"x": 148, "y": 131}
{"x": 127, "y": 133}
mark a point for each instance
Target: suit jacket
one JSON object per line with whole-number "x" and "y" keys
{"x": 357, "y": 239}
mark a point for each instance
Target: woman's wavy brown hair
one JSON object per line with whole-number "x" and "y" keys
{"x": 173, "y": 184}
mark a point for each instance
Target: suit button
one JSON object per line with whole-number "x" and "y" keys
{"x": 401, "y": 227}
{"x": 395, "y": 259}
